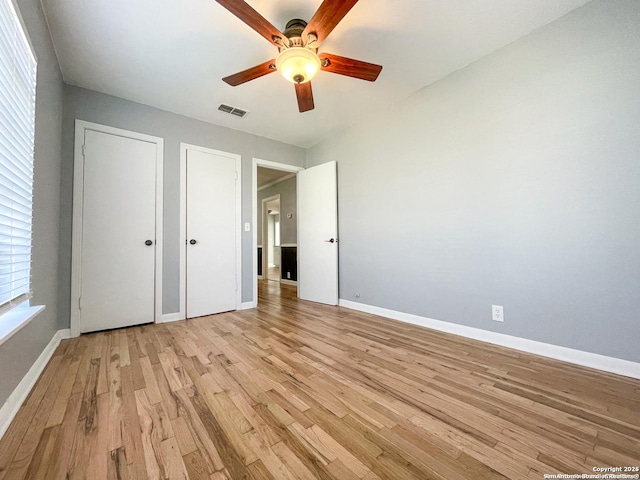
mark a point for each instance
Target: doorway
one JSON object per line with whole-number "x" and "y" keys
{"x": 310, "y": 262}
{"x": 275, "y": 245}
{"x": 271, "y": 244}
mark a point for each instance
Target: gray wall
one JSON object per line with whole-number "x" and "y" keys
{"x": 288, "y": 204}
{"x": 19, "y": 352}
{"x": 513, "y": 181}
{"x": 115, "y": 112}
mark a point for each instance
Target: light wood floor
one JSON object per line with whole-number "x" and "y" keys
{"x": 295, "y": 390}
{"x": 273, "y": 273}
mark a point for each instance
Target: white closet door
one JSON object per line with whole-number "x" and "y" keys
{"x": 211, "y": 282}
{"x": 318, "y": 234}
{"x": 118, "y": 232}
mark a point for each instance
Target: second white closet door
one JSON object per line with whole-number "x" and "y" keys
{"x": 211, "y": 234}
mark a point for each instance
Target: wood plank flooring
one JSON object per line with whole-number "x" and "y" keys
{"x": 295, "y": 390}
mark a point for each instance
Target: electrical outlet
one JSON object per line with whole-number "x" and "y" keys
{"x": 497, "y": 313}
{"x": 289, "y": 275}
{"x": 247, "y": 227}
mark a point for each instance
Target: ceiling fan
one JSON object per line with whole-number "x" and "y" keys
{"x": 298, "y": 59}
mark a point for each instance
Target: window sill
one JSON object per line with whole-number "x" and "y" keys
{"x": 14, "y": 320}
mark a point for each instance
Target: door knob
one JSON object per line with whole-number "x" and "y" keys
{"x": 331, "y": 240}
{"x": 192, "y": 241}
{"x": 148, "y": 243}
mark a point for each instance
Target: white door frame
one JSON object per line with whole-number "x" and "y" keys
{"x": 265, "y": 235}
{"x": 257, "y": 162}
{"x": 183, "y": 222}
{"x": 78, "y": 202}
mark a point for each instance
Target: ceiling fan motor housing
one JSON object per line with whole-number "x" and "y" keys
{"x": 293, "y": 32}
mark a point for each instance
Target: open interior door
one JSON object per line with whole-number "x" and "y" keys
{"x": 318, "y": 234}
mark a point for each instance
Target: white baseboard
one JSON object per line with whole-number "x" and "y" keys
{"x": 247, "y": 305}
{"x": 20, "y": 393}
{"x": 171, "y": 317}
{"x": 288, "y": 282}
{"x": 578, "y": 357}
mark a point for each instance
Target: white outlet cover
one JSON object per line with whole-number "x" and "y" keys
{"x": 497, "y": 313}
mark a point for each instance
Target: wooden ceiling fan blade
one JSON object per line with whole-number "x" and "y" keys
{"x": 350, "y": 67}
{"x": 248, "y": 15}
{"x": 327, "y": 17}
{"x": 305, "y": 97}
{"x": 251, "y": 73}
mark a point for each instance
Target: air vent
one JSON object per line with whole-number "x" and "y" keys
{"x": 238, "y": 112}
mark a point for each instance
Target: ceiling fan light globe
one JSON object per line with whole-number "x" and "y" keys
{"x": 298, "y": 64}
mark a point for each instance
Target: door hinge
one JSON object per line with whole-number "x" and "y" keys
{"x": 79, "y": 303}
{"x": 84, "y": 150}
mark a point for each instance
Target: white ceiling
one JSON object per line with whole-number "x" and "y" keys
{"x": 269, "y": 176}
{"x": 172, "y": 54}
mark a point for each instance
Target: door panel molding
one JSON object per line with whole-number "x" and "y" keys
{"x": 183, "y": 221}
{"x": 81, "y": 127}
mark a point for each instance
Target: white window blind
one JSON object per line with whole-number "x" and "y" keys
{"x": 17, "y": 129}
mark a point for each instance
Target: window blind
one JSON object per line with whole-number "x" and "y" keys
{"x": 17, "y": 130}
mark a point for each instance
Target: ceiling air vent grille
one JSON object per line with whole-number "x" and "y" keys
{"x": 238, "y": 112}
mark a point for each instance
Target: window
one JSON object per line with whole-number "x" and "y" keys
{"x": 17, "y": 129}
